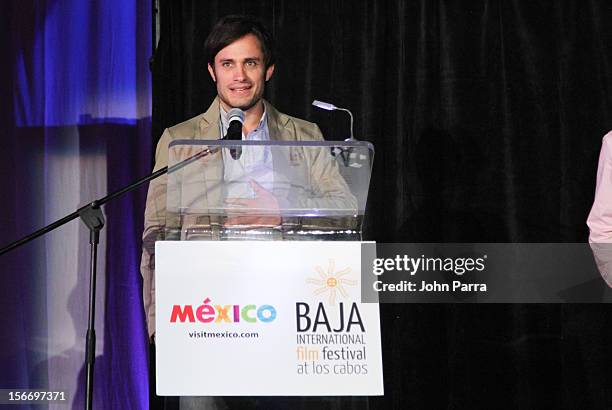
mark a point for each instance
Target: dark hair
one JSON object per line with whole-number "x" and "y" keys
{"x": 234, "y": 27}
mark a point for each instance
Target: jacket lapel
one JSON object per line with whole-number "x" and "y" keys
{"x": 208, "y": 127}
{"x": 278, "y": 124}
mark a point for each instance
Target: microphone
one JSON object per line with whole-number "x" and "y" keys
{"x": 235, "y": 118}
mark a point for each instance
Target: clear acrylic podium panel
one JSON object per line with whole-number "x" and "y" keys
{"x": 267, "y": 190}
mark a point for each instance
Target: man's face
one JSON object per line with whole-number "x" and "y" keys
{"x": 240, "y": 73}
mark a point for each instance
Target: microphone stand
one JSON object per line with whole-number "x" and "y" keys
{"x": 93, "y": 218}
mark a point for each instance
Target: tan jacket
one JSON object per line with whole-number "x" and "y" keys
{"x": 205, "y": 127}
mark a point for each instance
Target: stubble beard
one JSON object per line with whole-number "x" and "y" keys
{"x": 252, "y": 102}
{"x": 244, "y": 106}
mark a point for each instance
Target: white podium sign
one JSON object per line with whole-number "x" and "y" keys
{"x": 264, "y": 319}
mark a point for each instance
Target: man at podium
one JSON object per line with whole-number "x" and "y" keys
{"x": 240, "y": 55}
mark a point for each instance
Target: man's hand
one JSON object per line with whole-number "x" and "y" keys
{"x": 261, "y": 211}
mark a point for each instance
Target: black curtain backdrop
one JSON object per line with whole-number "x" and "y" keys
{"x": 487, "y": 118}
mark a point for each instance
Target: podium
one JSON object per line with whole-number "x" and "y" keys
{"x": 252, "y": 298}
{"x": 320, "y": 190}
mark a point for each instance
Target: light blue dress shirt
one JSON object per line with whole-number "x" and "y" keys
{"x": 255, "y": 163}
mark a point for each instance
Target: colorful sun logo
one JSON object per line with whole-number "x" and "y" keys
{"x": 331, "y": 281}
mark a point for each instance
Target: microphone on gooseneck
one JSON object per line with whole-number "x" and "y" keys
{"x": 235, "y": 119}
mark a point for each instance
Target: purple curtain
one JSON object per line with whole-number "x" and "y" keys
{"x": 75, "y": 125}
